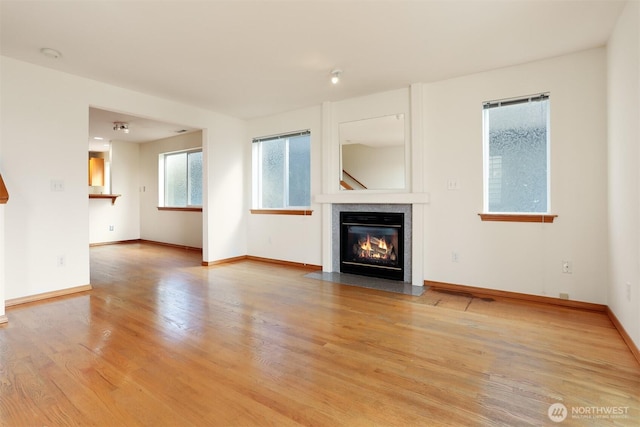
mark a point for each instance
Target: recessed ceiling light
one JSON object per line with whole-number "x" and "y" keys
{"x": 99, "y": 138}
{"x": 50, "y": 53}
{"x": 121, "y": 126}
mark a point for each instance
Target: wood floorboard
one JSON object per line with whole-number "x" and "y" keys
{"x": 162, "y": 341}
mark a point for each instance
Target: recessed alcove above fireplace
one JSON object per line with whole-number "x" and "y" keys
{"x": 409, "y": 199}
{"x": 373, "y": 222}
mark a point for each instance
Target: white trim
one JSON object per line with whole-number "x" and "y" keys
{"x": 367, "y": 196}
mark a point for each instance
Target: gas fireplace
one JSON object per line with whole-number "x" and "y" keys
{"x": 371, "y": 244}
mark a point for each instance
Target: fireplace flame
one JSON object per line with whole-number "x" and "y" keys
{"x": 376, "y": 247}
{"x": 366, "y": 245}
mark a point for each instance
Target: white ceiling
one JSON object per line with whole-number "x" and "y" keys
{"x": 101, "y": 132}
{"x": 255, "y": 58}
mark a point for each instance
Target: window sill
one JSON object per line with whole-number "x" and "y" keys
{"x": 305, "y": 212}
{"x": 190, "y": 209}
{"x": 541, "y": 218}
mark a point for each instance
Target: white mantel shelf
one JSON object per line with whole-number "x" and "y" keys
{"x": 363, "y": 198}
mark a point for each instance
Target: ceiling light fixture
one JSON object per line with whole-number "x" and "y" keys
{"x": 335, "y": 76}
{"x": 121, "y": 126}
{"x": 50, "y": 53}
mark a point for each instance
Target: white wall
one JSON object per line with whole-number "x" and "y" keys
{"x": 44, "y": 138}
{"x": 293, "y": 238}
{"x": 124, "y": 215}
{"x": 175, "y": 227}
{"x": 44, "y": 133}
{"x": 520, "y": 257}
{"x": 226, "y": 208}
{"x": 624, "y": 163}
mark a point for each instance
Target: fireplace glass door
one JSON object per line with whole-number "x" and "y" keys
{"x": 371, "y": 244}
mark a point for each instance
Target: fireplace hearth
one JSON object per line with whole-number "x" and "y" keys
{"x": 371, "y": 244}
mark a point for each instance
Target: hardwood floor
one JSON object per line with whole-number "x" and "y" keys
{"x": 163, "y": 341}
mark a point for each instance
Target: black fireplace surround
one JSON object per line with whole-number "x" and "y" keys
{"x": 371, "y": 244}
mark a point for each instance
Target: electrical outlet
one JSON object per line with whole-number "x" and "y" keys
{"x": 57, "y": 185}
{"x": 566, "y": 267}
{"x": 628, "y": 291}
{"x": 111, "y": 228}
{"x": 455, "y": 257}
{"x": 453, "y": 184}
{"x": 61, "y": 261}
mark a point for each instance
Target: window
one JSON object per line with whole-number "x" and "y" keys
{"x": 181, "y": 179}
{"x": 281, "y": 171}
{"x": 516, "y": 155}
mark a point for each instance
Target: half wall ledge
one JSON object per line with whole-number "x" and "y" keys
{"x": 112, "y": 197}
{"x": 4, "y": 194}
